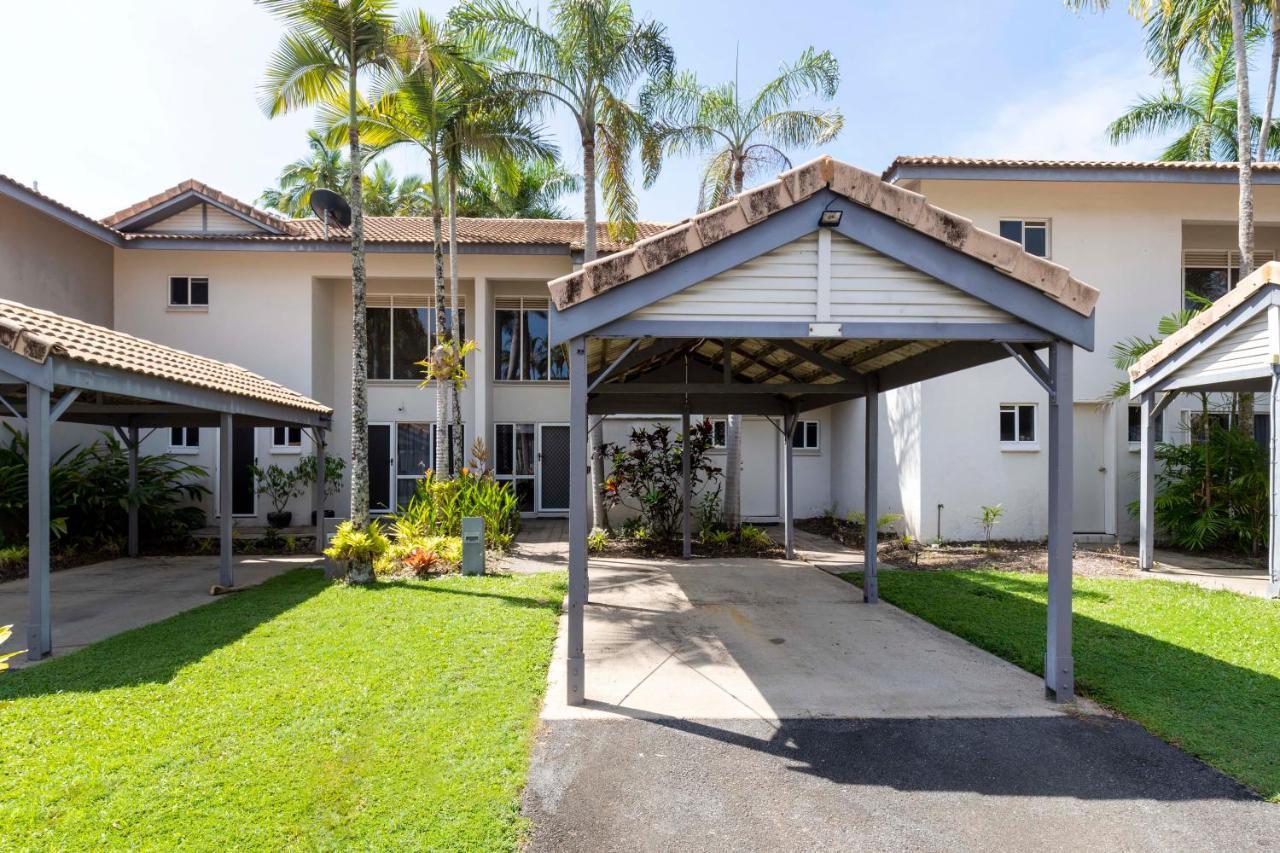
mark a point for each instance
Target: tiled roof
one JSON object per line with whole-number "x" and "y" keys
{"x": 85, "y": 218}
{"x": 417, "y": 229}
{"x": 864, "y": 188}
{"x": 1268, "y": 273}
{"x": 37, "y": 334}
{"x": 1116, "y": 165}
{"x": 261, "y": 217}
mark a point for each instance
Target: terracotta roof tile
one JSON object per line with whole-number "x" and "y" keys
{"x": 792, "y": 187}
{"x": 37, "y": 334}
{"x": 1117, "y": 165}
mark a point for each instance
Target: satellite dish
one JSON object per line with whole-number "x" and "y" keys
{"x": 330, "y": 206}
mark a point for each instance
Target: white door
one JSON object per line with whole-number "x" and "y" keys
{"x": 761, "y": 446}
{"x": 553, "y": 468}
{"x": 1089, "y": 506}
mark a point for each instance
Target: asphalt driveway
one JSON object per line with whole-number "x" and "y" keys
{"x": 760, "y": 705}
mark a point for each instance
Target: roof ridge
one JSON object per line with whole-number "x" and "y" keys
{"x": 200, "y": 187}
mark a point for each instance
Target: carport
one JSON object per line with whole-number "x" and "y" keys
{"x": 1231, "y": 346}
{"x": 56, "y": 368}
{"x": 822, "y": 286}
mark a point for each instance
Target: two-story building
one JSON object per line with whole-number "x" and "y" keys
{"x": 194, "y": 268}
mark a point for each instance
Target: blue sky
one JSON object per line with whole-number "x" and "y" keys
{"x": 141, "y": 94}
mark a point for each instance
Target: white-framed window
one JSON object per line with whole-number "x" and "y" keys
{"x": 286, "y": 439}
{"x": 806, "y": 436}
{"x": 1018, "y": 426}
{"x": 415, "y": 454}
{"x": 188, "y": 291}
{"x": 1210, "y": 273}
{"x": 719, "y": 433}
{"x": 514, "y": 447}
{"x": 1135, "y": 427}
{"x": 401, "y": 330}
{"x": 522, "y": 341}
{"x": 184, "y": 439}
{"x": 1031, "y": 234}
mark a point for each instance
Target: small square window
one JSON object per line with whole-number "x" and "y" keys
{"x": 805, "y": 436}
{"x": 1031, "y": 234}
{"x": 188, "y": 292}
{"x": 719, "y": 433}
{"x": 184, "y": 439}
{"x": 1018, "y": 424}
{"x": 1135, "y": 426}
{"x": 286, "y": 438}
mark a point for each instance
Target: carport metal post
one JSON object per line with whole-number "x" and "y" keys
{"x": 39, "y": 628}
{"x": 1058, "y": 667}
{"x": 578, "y": 507}
{"x": 789, "y": 486}
{"x": 131, "y": 447}
{"x": 225, "y": 575}
{"x": 1147, "y": 485}
{"x": 686, "y": 491}
{"x": 317, "y": 499}
{"x": 871, "y": 486}
{"x": 1273, "y": 540}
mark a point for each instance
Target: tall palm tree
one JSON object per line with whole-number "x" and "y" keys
{"x": 527, "y": 189}
{"x": 415, "y": 100}
{"x": 327, "y": 45}
{"x": 585, "y": 63}
{"x": 323, "y": 167}
{"x": 387, "y": 195}
{"x": 742, "y": 139}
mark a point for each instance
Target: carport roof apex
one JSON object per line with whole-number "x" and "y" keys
{"x": 796, "y": 185}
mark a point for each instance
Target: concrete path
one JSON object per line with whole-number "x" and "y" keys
{"x": 542, "y": 545}
{"x": 760, "y": 705}
{"x": 91, "y": 603}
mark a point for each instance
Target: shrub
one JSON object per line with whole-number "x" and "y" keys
{"x": 648, "y": 473}
{"x": 352, "y": 544}
{"x": 597, "y": 540}
{"x": 716, "y": 539}
{"x": 5, "y": 632}
{"x": 755, "y": 538}
{"x": 989, "y": 517}
{"x": 420, "y": 556}
{"x": 439, "y": 505}
{"x": 277, "y": 485}
{"x": 12, "y": 557}
{"x": 333, "y": 467}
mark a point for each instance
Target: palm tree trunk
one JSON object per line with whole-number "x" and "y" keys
{"x": 1244, "y": 132}
{"x": 732, "y": 509}
{"x": 599, "y": 512}
{"x": 441, "y": 325}
{"x": 455, "y": 326}
{"x": 359, "y": 334}
{"x": 1264, "y": 135}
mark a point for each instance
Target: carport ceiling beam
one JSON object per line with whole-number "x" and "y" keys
{"x": 816, "y": 358}
{"x": 1031, "y": 363}
{"x": 715, "y": 389}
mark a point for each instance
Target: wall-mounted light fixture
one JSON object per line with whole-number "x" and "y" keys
{"x": 830, "y": 218}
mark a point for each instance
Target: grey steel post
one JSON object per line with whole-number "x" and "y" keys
{"x": 131, "y": 447}
{"x": 788, "y": 486}
{"x": 871, "y": 463}
{"x": 686, "y": 489}
{"x": 578, "y": 505}
{"x": 1273, "y": 541}
{"x": 39, "y": 626}
{"x": 1147, "y": 485}
{"x": 226, "y": 577}
{"x": 1059, "y": 677}
{"x": 317, "y": 499}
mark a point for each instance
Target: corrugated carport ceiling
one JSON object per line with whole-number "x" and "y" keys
{"x": 757, "y": 360}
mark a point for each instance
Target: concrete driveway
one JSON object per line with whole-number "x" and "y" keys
{"x": 760, "y": 705}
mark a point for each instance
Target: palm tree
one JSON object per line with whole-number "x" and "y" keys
{"x": 527, "y": 189}
{"x": 328, "y": 44}
{"x": 741, "y": 139}
{"x": 586, "y": 64}
{"x": 323, "y": 167}
{"x": 386, "y": 195}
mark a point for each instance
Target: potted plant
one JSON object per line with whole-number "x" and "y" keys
{"x": 355, "y": 549}
{"x": 279, "y": 487}
{"x": 333, "y": 466}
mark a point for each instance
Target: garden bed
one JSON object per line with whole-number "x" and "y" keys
{"x": 763, "y": 547}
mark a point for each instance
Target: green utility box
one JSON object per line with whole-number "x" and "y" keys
{"x": 472, "y": 546}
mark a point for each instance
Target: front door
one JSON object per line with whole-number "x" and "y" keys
{"x": 761, "y": 447}
{"x": 380, "y": 467}
{"x": 243, "y": 499}
{"x": 1089, "y": 505}
{"x": 553, "y": 468}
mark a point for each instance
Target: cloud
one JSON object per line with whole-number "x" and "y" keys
{"x": 1067, "y": 120}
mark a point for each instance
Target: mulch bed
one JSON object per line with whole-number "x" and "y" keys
{"x": 664, "y": 550}
{"x": 77, "y": 557}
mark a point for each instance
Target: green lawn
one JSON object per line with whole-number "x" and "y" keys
{"x": 299, "y": 713}
{"x": 1199, "y": 668}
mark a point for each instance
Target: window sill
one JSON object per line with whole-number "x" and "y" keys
{"x": 188, "y": 309}
{"x": 1020, "y": 447}
{"x": 286, "y": 451}
{"x": 403, "y": 383}
{"x": 531, "y": 383}
{"x": 806, "y": 451}
{"x": 184, "y": 451}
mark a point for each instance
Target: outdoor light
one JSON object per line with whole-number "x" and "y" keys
{"x": 830, "y": 218}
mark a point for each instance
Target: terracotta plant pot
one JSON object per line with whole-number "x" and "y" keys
{"x": 279, "y": 520}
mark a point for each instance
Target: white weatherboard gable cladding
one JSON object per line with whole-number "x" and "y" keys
{"x": 202, "y": 219}
{"x": 1246, "y": 347}
{"x": 785, "y": 284}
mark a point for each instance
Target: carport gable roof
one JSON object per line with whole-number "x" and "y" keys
{"x": 180, "y": 388}
{"x": 1233, "y": 322}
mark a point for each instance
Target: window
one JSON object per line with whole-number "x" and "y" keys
{"x": 719, "y": 432}
{"x": 1135, "y": 426}
{"x": 1210, "y": 274}
{"x": 286, "y": 439}
{"x": 513, "y": 449}
{"x": 806, "y": 436}
{"x": 1197, "y": 427}
{"x": 1031, "y": 234}
{"x": 401, "y": 332}
{"x": 415, "y": 455}
{"x": 523, "y": 343}
{"x": 188, "y": 291}
{"x": 184, "y": 439}
{"x": 1018, "y": 425}
{"x": 1262, "y": 428}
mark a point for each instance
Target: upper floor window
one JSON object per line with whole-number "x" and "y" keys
{"x": 719, "y": 432}
{"x": 1018, "y": 425}
{"x": 286, "y": 439}
{"x": 806, "y": 436}
{"x": 187, "y": 291}
{"x": 523, "y": 342}
{"x": 184, "y": 439}
{"x": 1211, "y": 273}
{"x": 1031, "y": 234}
{"x": 401, "y": 332}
